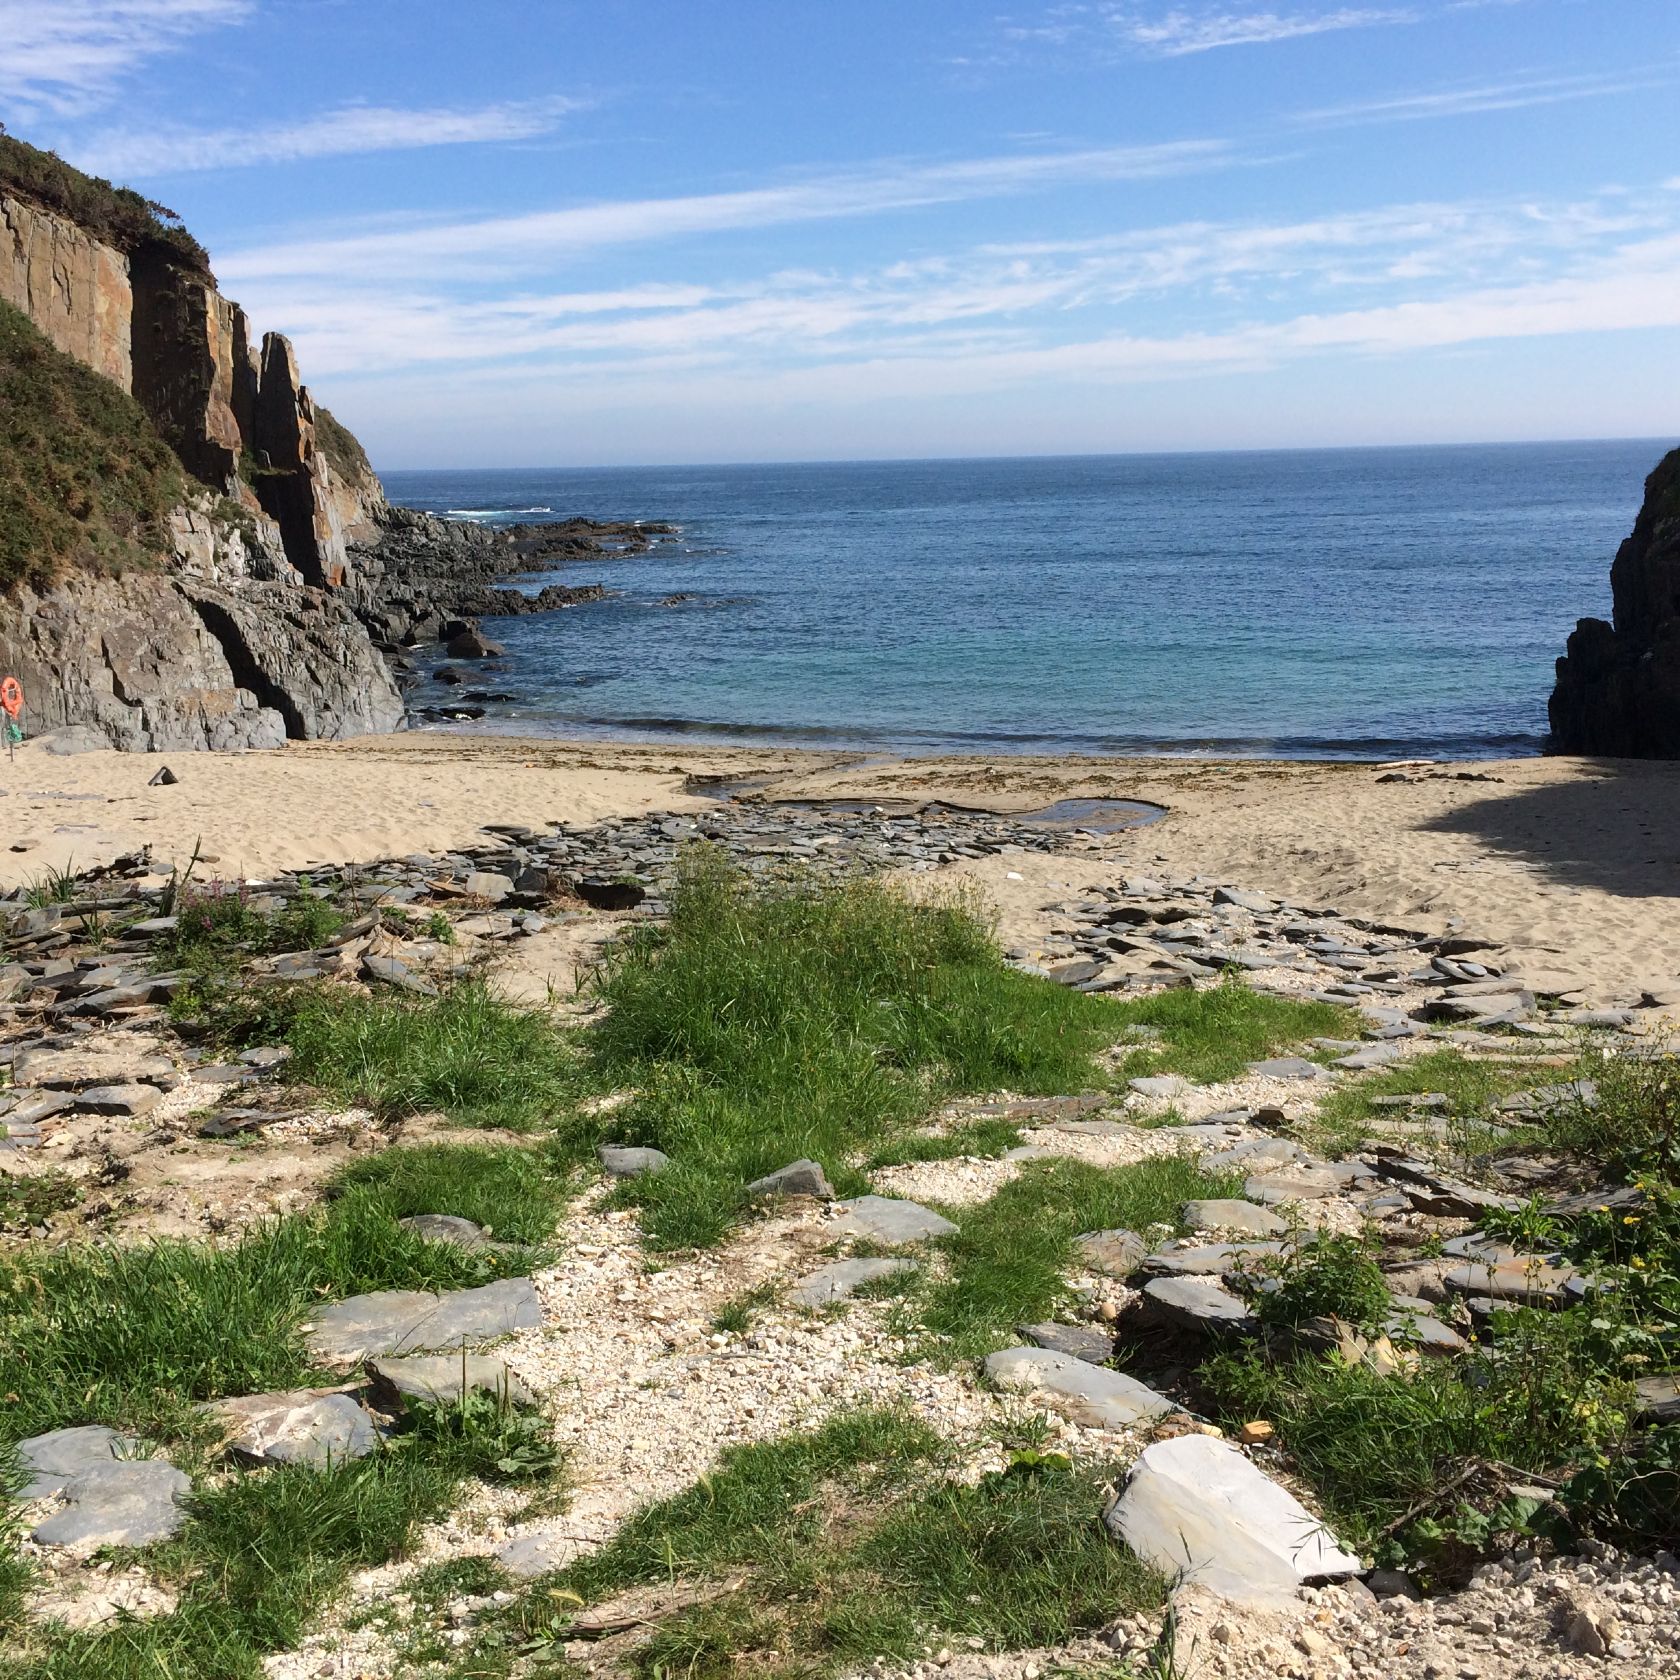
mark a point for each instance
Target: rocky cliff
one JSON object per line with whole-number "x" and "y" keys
{"x": 222, "y": 620}
{"x": 1618, "y": 685}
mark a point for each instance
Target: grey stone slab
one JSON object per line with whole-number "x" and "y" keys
{"x": 1275, "y": 1151}
{"x": 446, "y": 1228}
{"x": 799, "y": 1178}
{"x": 1160, "y": 1085}
{"x": 1371, "y": 1056}
{"x": 1117, "y": 1253}
{"x": 1521, "y": 1279}
{"x": 439, "y": 1378}
{"x": 1196, "y": 1508}
{"x": 842, "y": 1279}
{"x": 1077, "y": 1341}
{"x": 1086, "y": 1393}
{"x": 418, "y": 1321}
{"x": 295, "y": 1427}
{"x": 54, "y": 1458}
{"x": 119, "y": 1504}
{"x": 128, "y": 1099}
{"x": 1192, "y": 1259}
{"x": 1659, "y": 1399}
{"x": 1258, "y": 903}
{"x": 1201, "y": 1304}
{"x": 531, "y": 1555}
{"x": 1230, "y": 1214}
{"x": 620, "y": 1160}
{"x": 1295, "y": 1184}
{"x": 1289, "y": 1067}
{"x": 393, "y": 971}
{"x": 889, "y": 1220}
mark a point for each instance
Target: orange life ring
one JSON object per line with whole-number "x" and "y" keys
{"x": 11, "y": 696}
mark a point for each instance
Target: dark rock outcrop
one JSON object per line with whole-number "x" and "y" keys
{"x": 1618, "y": 686}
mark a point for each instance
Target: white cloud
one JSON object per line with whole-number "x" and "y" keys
{"x": 1514, "y": 94}
{"x": 66, "y": 55}
{"x": 1179, "y": 32}
{"x": 1042, "y": 299}
{"x": 496, "y": 244}
{"x": 349, "y": 129}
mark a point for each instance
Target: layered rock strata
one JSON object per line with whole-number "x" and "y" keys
{"x": 1618, "y": 685}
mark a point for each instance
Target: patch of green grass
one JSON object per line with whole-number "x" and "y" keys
{"x": 475, "y": 1057}
{"x": 132, "y": 1337}
{"x": 1008, "y": 1258}
{"x": 762, "y": 1499}
{"x": 85, "y": 480}
{"x": 765, "y": 1023}
{"x": 218, "y": 922}
{"x": 28, "y": 1199}
{"x": 824, "y": 1576}
{"x": 1347, "y": 1116}
{"x": 986, "y": 1136}
{"x": 518, "y": 1194}
{"x": 1633, "y": 1127}
{"x": 1213, "y": 1033}
{"x": 736, "y": 1314}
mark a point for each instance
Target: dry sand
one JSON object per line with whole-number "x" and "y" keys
{"x": 1573, "y": 863}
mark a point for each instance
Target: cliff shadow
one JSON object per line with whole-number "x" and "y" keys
{"x": 1614, "y": 825}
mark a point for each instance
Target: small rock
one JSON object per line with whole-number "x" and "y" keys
{"x": 131, "y": 1099}
{"x": 1087, "y": 1394}
{"x": 446, "y": 1228}
{"x": 889, "y": 1220}
{"x": 798, "y": 1178}
{"x": 164, "y": 778}
{"x": 295, "y": 1427}
{"x": 624, "y": 1161}
{"x": 843, "y": 1279}
{"x": 1116, "y": 1254}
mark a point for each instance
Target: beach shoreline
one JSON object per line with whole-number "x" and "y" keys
{"x": 1568, "y": 863}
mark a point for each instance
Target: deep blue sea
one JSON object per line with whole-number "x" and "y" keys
{"x": 1314, "y": 603}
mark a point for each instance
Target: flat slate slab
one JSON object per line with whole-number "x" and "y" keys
{"x": 54, "y": 1458}
{"x": 1230, "y": 1214}
{"x": 798, "y": 1178}
{"x": 1518, "y": 1279}
{"x": 1201, "y": 1304}
{"x": 532, "y": 1555}
{"x": 294, "y": 1426}
{"x": 889, "y": 1220}
{"x": 1659, "y": 1399}
{"x": 1095, "y": 1347}
{"x": 118, "y": 1504}
{"x": 446, "y": 1228}
{"x": 843, "y": 1279}
{"x": 127, "y": 1099}
{"x": 1206, "y": 1259}
{"x": 438, "y": 1379}
{"x": 1290, "y": 1067}
{"x": 1196, "y": 1508}
{"x": 1116, "y": 1254}
{"x": 418, "y": 1321}
{"x": 1166, "y": 1085}
{"x": 620, "y": 1160}
{"x": 1086, "y": 1393}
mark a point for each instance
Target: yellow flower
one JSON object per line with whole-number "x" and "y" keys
{"x": 1630, "y": 1218}
{"x": 1636, "y": 1261}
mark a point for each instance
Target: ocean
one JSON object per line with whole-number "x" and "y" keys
{"x": 1359, "y": 603}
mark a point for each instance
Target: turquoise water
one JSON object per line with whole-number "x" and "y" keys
{"x": 1320, "y": 603}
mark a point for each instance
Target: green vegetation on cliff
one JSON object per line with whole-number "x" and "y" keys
{"x": 343, "y": 452}
{"x": 85, "y": 479}
{"x": 118, "y": 216}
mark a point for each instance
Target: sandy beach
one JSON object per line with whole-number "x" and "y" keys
{"x": 1572, "y": 864}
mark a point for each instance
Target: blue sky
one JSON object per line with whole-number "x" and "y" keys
{"x": 688, "y": 230}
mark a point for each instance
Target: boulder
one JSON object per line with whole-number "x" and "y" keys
{"x": 1196, "y": 1508}
{"x": 1085, "y": 1393}
{"x": 1618, "y": 684}
{"x": 473, "y": 644}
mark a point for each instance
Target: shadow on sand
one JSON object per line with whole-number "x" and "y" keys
{"x": 1615, "y": 827}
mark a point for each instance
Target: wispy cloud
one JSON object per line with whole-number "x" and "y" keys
{"x": 498, "y": 244}
{"x": 1179, "y": 32}
{"x": 349, "y": 129}
{"x": 1313, "y": 284}
{"x": 1512, "y": 94}
{"x": 66, "y": 55}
